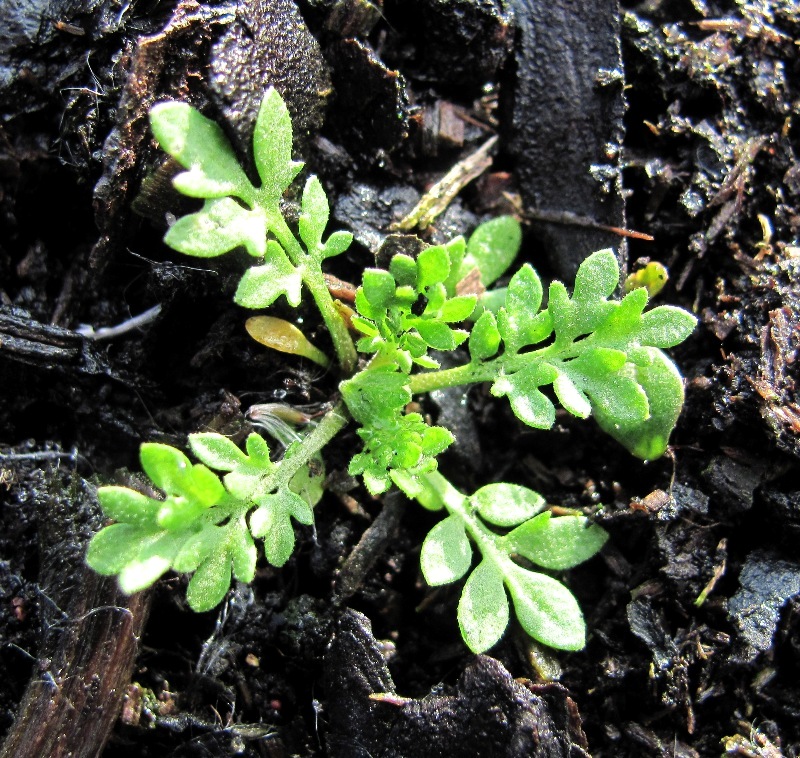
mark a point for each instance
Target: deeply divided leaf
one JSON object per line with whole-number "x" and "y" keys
{"x": 261, "y": 286}
{"x": 218, "y": 228}
{"x": 199, "y": 525}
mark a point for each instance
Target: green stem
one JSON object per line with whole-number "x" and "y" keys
{"x": 427, "y": 381}
{"x": 331, "y": 424}
{"x": 471, "y": 373}
{"x": 439, "y": 488}
{"x": 312, "y": 277}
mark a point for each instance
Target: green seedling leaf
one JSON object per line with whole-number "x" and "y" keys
{"x": 518, "y": 324}
{"x": 258, "y": 451}
{"x": 484, "y": 339}
{"x": 285, "y": 337}
{"x": 178, "y": 513}
{"x": 438, "y": 335}
{"x": 218, "y": 228}
{"x": 491, "y": 249}
{"x": 571, "y": 397}
{"x": 597, "y": 277}
{"x": 336, "y": 244}
{"x": 152, "y": 561}
{"x": 233, "y": 553}
{"x": 309, "y": 481}
{"x": 272, "y": 521}
{"x": 393, "y": 441}
{"x": 198, "y": 547}
{"x": 272, "y": 148}
{"x": 483, "y": 608}
{"x": 446, "y": 553}
{"x": 546, "y": 609}
{"x": 665, "y": 326}
{"x": 530, "y": 405}
{"x": 165, "y": 466}
{"x": 314, "y": 211}
{"x": 210, "y": 582}
{"x": 245, "y": 482}
{"x": 404, "y": 269}
{"x": 557, "y": 543}
{"x": 374, "y": 395}
{"x": 505, "y": 504}
{"x": 435, "y": 440}
{"x": 242, "y": 551}
{"x": 618, "y": 399}
{"x": 456, "y": 250}
{"x": 378, "y": 288}
{"x": 623, "y": 321}
{"x": 200, "y": 146}
{"x": 433, "y": 267}
{"x": 662, "y": 385}
{"x": 261, "y": 286}
{"x": 216, "y": 451}
{"x": 129, "y": 506}
{"x": 113, "y": 547}
{"x": 457, "y": 308}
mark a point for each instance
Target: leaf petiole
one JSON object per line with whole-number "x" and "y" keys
{"x": 312, "y": 276}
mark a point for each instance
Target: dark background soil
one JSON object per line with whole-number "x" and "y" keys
{"x": 694, "y": 638}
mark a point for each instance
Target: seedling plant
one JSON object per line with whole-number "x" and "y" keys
{"x": 596, "y": 355}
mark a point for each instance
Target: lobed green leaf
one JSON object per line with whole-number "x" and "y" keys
{"x": 153, "y": 559}
{"x": 210, "y": 582}
{"x": 518, "y": 321}
{"x": 662, "y": 386}
{"x": 404, "y": 269}
{"x": 597, "y": 277}
{"x": 530, "y": 405}
{"x": 572, "y": 398}
{"x": 165, "y": 466}
{"x": 218, "y": 228}
{"x": 336, "y": 244}
{"x": 457, "y": 308}
{"x": 665, "y": 326}
{"x": 114, "y": 546}
{"x": 261, "y": 286}
{"x": 378, "y": 287}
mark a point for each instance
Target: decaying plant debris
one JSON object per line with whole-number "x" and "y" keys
{"x": 692, "y": 605}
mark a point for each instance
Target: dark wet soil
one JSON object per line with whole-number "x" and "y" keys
{"x": 692, "y": 608}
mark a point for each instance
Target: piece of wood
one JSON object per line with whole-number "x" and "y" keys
{"x": 567, "y": 129}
